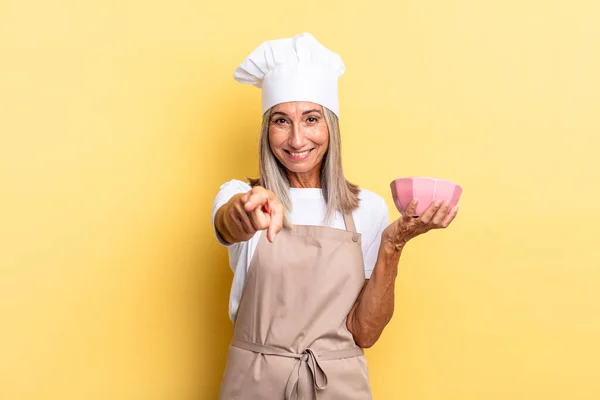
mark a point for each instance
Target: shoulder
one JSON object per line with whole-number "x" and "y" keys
{"x": 227, "y": 191}
{"x": 371, "y": 216}
{"x": 235, "y": 185}
{"x": 372, "y": 207}
{"x": 371, "y": 200}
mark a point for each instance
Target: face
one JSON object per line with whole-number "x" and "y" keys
{"x": 299, "y": 136}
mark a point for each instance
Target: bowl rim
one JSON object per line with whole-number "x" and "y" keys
{"x": 406, "y": 178}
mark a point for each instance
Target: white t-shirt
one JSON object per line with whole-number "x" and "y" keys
{"x": 308, "y": 208}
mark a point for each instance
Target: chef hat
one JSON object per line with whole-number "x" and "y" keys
{"x": 293, "y": 69}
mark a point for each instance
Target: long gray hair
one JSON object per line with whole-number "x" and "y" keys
{"x": 340, "y": 195}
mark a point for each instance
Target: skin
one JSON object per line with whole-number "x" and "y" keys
{"x": 296, "y": 127}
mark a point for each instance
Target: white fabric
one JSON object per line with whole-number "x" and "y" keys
{"x": 309, "y": 208}
{"x": 293, "y": 69}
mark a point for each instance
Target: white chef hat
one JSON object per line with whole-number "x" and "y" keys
{"x": 293, "y": 69}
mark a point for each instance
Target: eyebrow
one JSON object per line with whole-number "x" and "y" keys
{"x": 304, "y": 113}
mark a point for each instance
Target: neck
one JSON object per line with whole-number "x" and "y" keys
{"x": 310, "y": 179}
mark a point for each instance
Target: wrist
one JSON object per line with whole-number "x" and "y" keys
{"x": 391, "y": 249}
{"x": 387, "y": 260}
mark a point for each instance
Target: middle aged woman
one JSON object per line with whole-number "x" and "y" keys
{"x": 313, "y": 256}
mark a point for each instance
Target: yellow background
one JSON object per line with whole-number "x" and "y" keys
{"x": 119, "y": 121}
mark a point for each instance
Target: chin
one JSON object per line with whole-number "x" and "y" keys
{"x": 299, "y": 169}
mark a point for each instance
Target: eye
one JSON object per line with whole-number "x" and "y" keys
{"x": 312, "y": 119}
{"x": 279, "y": 120}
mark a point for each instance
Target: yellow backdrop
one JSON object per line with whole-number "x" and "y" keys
{"x": 119, "y": 121}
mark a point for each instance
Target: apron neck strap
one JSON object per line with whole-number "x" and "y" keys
{"x": 349, "y": 221}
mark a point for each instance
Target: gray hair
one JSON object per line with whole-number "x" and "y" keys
{"x": 340, "y": 195}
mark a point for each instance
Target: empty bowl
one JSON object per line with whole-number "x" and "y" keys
{"x": 426, "y": 190}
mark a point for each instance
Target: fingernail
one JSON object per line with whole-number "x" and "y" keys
{"x": 437, "y": 203}
{"x": 455, "y": 208}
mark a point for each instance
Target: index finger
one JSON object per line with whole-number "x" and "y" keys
{"x": 276, "y": 220}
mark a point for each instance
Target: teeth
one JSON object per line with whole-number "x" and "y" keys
{"x": 300, "y": 154}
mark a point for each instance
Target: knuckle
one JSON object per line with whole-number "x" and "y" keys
{"x": 232, "y": 212}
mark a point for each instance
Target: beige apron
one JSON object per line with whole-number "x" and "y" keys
{"x": 290, "y": 337}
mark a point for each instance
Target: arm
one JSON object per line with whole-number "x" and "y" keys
{"x": 374, "y": 306}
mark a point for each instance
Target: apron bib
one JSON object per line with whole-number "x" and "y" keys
{"x": 290, "y": 337}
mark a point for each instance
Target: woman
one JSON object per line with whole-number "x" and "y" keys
{"x": 314, "y": 258}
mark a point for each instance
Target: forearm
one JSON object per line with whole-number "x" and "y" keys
{"x": 375, "y": 305}
{"x": 229, "y": 229}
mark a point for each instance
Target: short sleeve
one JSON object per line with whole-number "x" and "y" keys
{"x": 226, "y": 192}
{"x": 381, "y": 220}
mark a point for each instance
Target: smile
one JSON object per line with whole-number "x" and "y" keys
{"x": 297, "y": 156}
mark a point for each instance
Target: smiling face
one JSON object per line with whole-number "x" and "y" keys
{"x": 299, "y": 137}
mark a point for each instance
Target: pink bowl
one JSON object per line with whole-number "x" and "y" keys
{"x": 426, "y": 190}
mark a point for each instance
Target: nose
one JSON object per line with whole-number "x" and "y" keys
{"x": 297, "y": 137}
